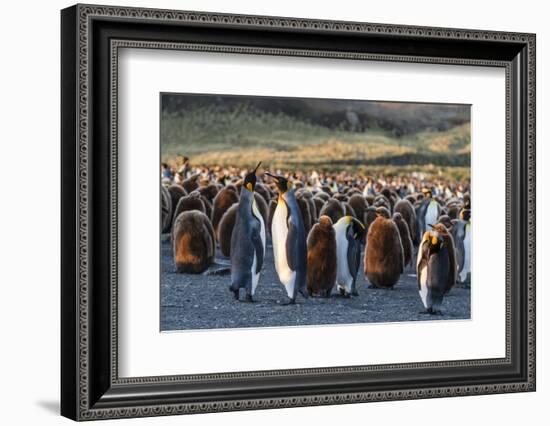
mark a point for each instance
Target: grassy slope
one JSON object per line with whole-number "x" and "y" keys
{"x": 243, "y": 136}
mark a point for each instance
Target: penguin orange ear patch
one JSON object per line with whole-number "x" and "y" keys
{"x": 249, "y": 187}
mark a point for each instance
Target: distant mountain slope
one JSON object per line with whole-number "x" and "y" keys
{"x": 238, "y": 133}
{"x": 399, "y": 118}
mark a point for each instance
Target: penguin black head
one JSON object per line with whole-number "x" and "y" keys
{"x": 434, "y": 238}
{"x": 427, "y": 192}
{"x": 465, "y": 214}
{"x": 250, "y": 179}
{"x": 283, "y": 184}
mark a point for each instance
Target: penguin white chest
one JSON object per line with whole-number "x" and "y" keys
{"x": 467, "y": 242}
{"x": 256, "y": 276}
{"x": 279, "y": 234}
{"x": 432, "y": 213}
{"x": 424, "y": 287}
{"x": 343, "y": 275}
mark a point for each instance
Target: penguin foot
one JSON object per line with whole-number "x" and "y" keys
{"x": 248, "y": 299}
{"x": 304, "y": 293}
{"x": 235, "y": 293}
{"x": 372, "y": 286}
{"x": 288, "y": 302}
{"x": 355, "y": 293}
{"x": 431, "y": 311}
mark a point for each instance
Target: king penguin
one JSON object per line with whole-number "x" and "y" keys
{"x": 349, "y": 235}
{"x": 247, "y": 241}
{"x": 435, "y": 267}
{"x": 289, "y": 241}
{"x": 428, "y": 212}
{"x": 462, "y": 235}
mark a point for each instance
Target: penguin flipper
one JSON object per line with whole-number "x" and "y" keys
{"x": 291, "y": 246}
{"x": 353, "y": 254}
{"x": 422, "y": 263}
{"x": 258, "y": 249}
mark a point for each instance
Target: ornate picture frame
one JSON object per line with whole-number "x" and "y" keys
{"x": 91, "y": 37}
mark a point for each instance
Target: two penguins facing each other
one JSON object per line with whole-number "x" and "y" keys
{"x": 248, "y": 240}
{"x": 333, "y": 256}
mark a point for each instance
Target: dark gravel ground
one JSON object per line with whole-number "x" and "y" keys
{"x": 203, "y": 301}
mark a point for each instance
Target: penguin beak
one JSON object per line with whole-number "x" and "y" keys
{"x": 280, "y": 182}
{"x": 256, "y": 169}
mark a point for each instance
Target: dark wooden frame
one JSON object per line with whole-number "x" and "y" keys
{"x": 91, "y": 37}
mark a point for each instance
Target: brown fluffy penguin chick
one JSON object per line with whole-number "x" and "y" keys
{"x": 352, "y": 191}
{"x": 370, "y": 216}
{"x": 193, "y": 242}
{"x": 319, "y": 203}
{"x": 321, "y": 258}
{"x": 306, "y": 215}
{"x": 176, "y": 192}
{"x": 333, "y": 209}
{"x": 222, "y": 201}
{"x": 271, "y": 212}
{"x": 412, "y": 199}
{"x": 348, "y": 210}
{"x": 209, "y": 191}
{"x": 312, "y": 210}
{"x": 165, "y": 209}
{"x": 306, "y": 195}
{"x": 359, "y": 206}
{"x": 326, "y": 189}
{"x": 207, "y": 206}
{"x": 191, "y": 183}
{"x": 383, "y": 211}
{"x": 322, "y": 195}
{"x": 409, "y": 216}
{"x": 231, "y": 187}
{"x": 264, "y": 191}
{"x": 389, "y": 196}
{"x": 384, "y": 254}
{"x": 193, "y": 201}
{"x": 382, "y": 201}
{"x": 262, "y": 205}
{"x": 340, "y": 197}
{"x": 405, "y": 235}
{"x": 225, "y": 229}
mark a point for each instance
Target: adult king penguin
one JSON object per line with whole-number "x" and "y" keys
{"x": 289, "y": 241}
{"x": 349, "y": 235}
{"x": 428, "y": 212}
{"x": 435, "y": 267}
{"x": 247, "y": 241}
{"x": 462, "y": 235}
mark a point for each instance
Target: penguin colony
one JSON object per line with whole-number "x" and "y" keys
{"x": 320, "y": 231}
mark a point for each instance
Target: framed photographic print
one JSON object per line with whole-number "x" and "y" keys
{"x": 263, "y": 212}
